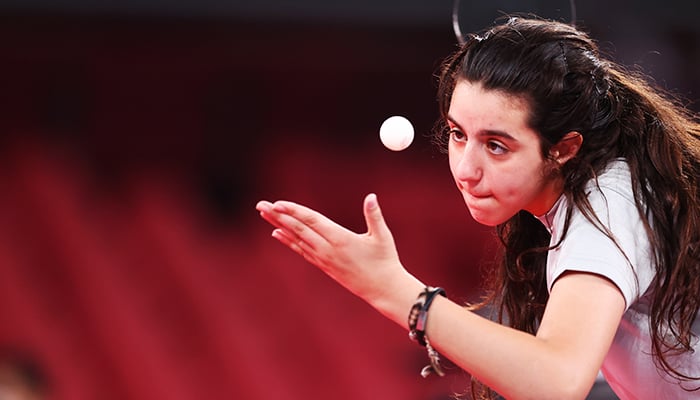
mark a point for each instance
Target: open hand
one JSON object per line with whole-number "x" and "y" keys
{"x": 366, "y": 264}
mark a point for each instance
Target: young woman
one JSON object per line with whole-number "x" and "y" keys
{"x": 590, "y": 177}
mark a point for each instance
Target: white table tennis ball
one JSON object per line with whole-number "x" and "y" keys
{"x": 396, "y": 133}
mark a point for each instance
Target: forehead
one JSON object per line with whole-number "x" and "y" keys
{"x": 472, "y": 100}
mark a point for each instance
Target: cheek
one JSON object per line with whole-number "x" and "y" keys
{"x": 510, "y": 192}
{"x": 519, "y": 187}
{"x": 453, "y": 161}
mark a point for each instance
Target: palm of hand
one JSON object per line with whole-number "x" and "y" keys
{"x": 362, "y": 263}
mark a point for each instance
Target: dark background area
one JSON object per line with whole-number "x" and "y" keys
{"x": 136, "y": 137}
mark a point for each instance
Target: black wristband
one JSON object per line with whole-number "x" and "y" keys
{"x": 418, "y": 316}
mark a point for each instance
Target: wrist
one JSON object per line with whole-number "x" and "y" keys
{"x": 418, "y": 315}
{"x": 417, "y": 322}
{"x": 397, "y": 296}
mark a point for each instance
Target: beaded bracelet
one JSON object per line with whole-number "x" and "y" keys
{"x": 417, "y": 320}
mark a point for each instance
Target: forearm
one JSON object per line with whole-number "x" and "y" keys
{"x": 515, "y": 364}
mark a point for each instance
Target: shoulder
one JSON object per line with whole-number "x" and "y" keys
{"x": 614, "y": 178}
{"x": 609, "y": 238}
{"x": 611, "y": 197}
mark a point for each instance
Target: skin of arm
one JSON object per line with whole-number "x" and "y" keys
{"x": 560, "y": 362}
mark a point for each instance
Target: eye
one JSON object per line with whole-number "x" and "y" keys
{"x": 496, "y": 147}
{"x": 457, "y": 135}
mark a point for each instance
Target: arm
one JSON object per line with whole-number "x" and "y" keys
{"x": 560, "y": 362}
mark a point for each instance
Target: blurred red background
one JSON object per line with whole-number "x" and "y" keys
{"x": 132, "y": 261}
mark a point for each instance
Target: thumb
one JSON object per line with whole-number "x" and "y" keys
{"x": 376, "y": 226}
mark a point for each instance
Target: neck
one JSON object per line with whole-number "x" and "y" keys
{"x": 550, "y": 194}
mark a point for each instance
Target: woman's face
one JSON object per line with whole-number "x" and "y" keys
{"x": 495, "y": 157}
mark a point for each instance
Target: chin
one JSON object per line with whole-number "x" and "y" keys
{"x": 488, "y": 219}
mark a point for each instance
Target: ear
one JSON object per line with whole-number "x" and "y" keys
{"x": 566, "y": 148}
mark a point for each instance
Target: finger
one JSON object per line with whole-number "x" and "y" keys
{"x": 265, "y": 210}
{"x": 263, "y": 205}
{"x": 295, "y": 244}
{"x": 288, "y": 239}
{"x": 276, "y": 217}
{"x": 312, "y": 226}
{"x": 279, "y": 214}
{"x": 376, "y": 225}
{"x": 270, "y": 216}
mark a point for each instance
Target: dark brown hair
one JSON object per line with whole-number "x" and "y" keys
{"x": 558, "y": 70}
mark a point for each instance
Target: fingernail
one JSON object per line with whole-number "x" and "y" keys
{"x": 372, "y": 201}
{"x": 262, "y": 206}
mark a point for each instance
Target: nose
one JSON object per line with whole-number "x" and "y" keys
{"x": 467, "y": 165}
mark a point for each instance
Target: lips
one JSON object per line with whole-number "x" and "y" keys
{"x": 476, "y": 201}
{"x": 469, "y": 195}
{"x": 478, "y": 195}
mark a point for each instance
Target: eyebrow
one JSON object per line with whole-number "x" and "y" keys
{"x": 486, "y": 132}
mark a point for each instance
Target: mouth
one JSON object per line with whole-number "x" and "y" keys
{"x": 471, "y": 194}
{"x": 478, "y": 196}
